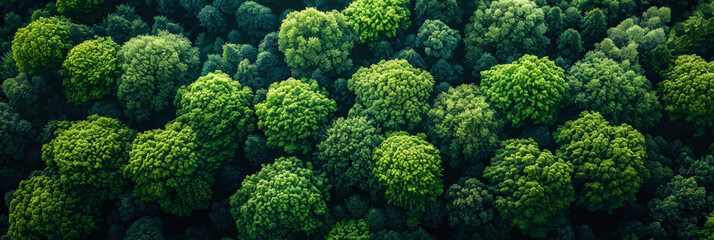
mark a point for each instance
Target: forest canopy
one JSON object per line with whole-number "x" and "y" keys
{"x": 357, "y": 119}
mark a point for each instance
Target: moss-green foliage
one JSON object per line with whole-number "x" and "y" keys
{"x": 678, "y": 208}
{"x": 447, "y": 11}
{"x": 41, "y": 46}
{"x": 313, "y": 40}
{"x": 532, "y": 188}
{"x": 283, "y": 199}
{"x": 464, "y": 125}
{"x": 608, "y": 161}
{"x": 376, "y": 19}
{"x": 694, "y": 34}
{"x": 687, "y": 90}
{"x": 219, "y": 110}
{"x": 437, "y": 39}
{"x": 636, "y": 35}
{"x": 409, "y": 169}
{"x": 293, "y": 113}
{"x": 507, "y": 29}
{"x": 42, "y": 208}
{"x": 594, "y": 26}
{"x": 391, "y": 93}
{"x": 613, "y": 9}
{"x": 350, "y": 229}
{"x": 345, "y": 154}
{"x": 255, "y": 20}
{"x": 469, "y": 204}
{"x": 167, "y": 168}
{"x": 154, "y": 67}
{"x": 77, "y": 9}
{"x": 212, "y": 19}
{"x": 90, "y": 153}
{"x": 91, "y": 70}
{"x": 530, "y": 90}
{"x": 707, "y": 231}
{"x": 598, "y": 83}
{"x": 15, "y": 135}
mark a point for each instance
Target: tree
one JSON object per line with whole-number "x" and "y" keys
{"x": 255, "y": 20}
{"x": 219, "y": 110}
{"x": 701, "y": 169}
{"x": 79, "y": 9}
{"x": 91, "y": 70}
{"x": 525, "y": 34}
{"x": 598, "y": 83}
{"x": 469, "y": 204}
{"x": 614, "y": 10}
{"x": 570, "y": 47}
{"x": 555, "y": 19}
{"x": 686, "y": 89}
{"x": 149, "y": 82}
{"x": 392, "y": 93}
{"x": 409, "y": 169}
{"x": 40, "y": 47}
{"x": 376, "y": 19}
{"x": 532, "y": 188}
{"x": 608, "y": 161}
{"x": 146, "y": 228}
{"x": 345, "y": 153}
{"x": 693, "y": 36}
{"x": 594, "y": 27}
{"x": 313, "y": 40}
{"x": 90, "y": 153}
{"x": 529, "y": 90}
{"x": 707, "y": 232}
{"x": 42, "y": 208}
{"x": 678, "y": 208}
{"x": 292, "y": 114}
{"x": 124, "y": 24}
{"x": 633, "y": 36}
{"x": 350, "y": 229}
{"x": 212, "y": 19}
{"x": 437, "y": 39}
{"x": 234, "y": 54}
{"x": 285, "y": 198}
{"x": 464, "y": 125}
{"x": 449, "y": 11}
{"x": 15, "y": 136}
{"x": 167, "y": 168}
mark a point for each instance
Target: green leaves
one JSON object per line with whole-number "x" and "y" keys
{"x": 409, "y": 169}
{"x": 598, "y": 83}
{"x": 378, "y": 18}
{"x": 350, "y": 229}
{"x": 90, "y": 153}
{"x": 530, "y": 90}
{"x": 40, "y": 47}
{"x": 391, "y": 93}
{"x": 42, "y": 208}
{"x": 91, "y": 70}
{"x": 293, "y": 113}
{"x": 281, "y": 200}
{"x": 219, "y": 110}
{"x": 166, "y": 166}
{"x": 154, "y": 67}
{"x": 687, "y": 90}
{"x": 507, "y": 29}
{"x": 532, "y": 188}
{"x": 313, "y": 40}
{"x": 608, "y": 161}
{"x": 464, "y": 125}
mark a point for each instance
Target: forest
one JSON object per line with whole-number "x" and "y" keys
{"x": 357, "y": 119}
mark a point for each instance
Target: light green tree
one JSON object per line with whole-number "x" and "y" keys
{"x": 40, "y": 47}
{"x": 91, "y": 70}
{"x": 292, "y": 114}
{"x": 608, "y": 161}
{"x": 376, "y": 19}
{"x": 687, "y": 90}
{"x": 283, "y": 199}
{"x": 530, "y": 90}
{"x": 532, "y": 188}
{"x": 313, "y": 40}
{"x": 392, "y": 93}
{"x": 409, "y": 169}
